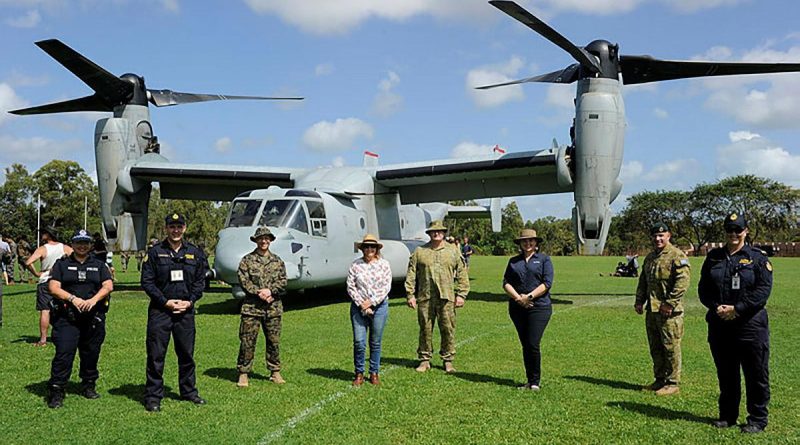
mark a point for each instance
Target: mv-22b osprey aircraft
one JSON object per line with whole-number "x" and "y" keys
{"x": 318, "y": 214}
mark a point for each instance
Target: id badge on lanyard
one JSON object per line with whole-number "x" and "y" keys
{"x": 177, "y": 275}
{"x": 736, "y": 281}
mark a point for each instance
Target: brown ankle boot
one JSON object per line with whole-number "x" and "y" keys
{"x": 374, "y": 379}
{"x": 276, "y": 377}
{"x": 359, "y": 380}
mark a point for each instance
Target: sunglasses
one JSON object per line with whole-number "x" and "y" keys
{"x": 736, "y": 230}
{"x": 367, "y": 246}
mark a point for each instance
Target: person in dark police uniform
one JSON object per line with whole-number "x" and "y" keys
{"x": 735, "y": 283}
{"x": 173, "y": 276}
{"x": 80, "y": 285}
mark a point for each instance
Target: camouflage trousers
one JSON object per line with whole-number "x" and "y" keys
{"x": 427, "y": 314}
{"x": 248, "y": 336}
{"x": 664, "y": 336}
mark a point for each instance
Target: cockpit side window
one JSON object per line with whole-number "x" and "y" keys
{"x": 243, "y": 212}
{"x": 316, "y": 212}
{"x": 287, "y": 213}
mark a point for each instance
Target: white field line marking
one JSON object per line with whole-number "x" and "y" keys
{"x": 317, "y": 407}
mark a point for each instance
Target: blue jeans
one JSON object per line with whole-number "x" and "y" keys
{"x": 375, "y": 325}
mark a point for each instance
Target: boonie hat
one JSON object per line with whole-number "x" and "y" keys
{"x": 435, "y": 226}
{"x": 175, "y": 218}
{"x": 262, "y": 231}
{"x": 81, "y": 235}
{"x": 735, "y": 221}
{"x": 369, "y": 240}
{"x": 527, "y": 234}
{"x": 659, "y": 227}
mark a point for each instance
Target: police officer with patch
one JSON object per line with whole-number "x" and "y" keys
{"x": 173, "y": 276}
{"x": 80, "y": 285}
{"x": 662, "y": 285}
{"x": 735, "y": 283}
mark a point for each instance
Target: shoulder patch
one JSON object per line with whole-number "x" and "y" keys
{"x": 745, "y": 261}
{"x": 768, "y": 266}
{"x": 189, "y": 256}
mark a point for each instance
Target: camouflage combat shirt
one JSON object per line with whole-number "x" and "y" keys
{"x": 664, "y": 279}
{"x": 437, "y": 272}
{"x": 262, "y": 272}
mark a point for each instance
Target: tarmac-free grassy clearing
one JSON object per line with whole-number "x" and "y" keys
{"x": 595, "y": 359}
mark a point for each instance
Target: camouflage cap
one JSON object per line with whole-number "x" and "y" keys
{"x": 175, "y": 218}
{"x": 659, "y": 227}
{"x": 262, "y": 231}
{"x": 735, "y": 221}
{"x": 435, "y": 226}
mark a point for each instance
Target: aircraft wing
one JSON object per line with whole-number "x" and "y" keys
{"x": 513, "y": 174}
{"x": 210, "y": 182}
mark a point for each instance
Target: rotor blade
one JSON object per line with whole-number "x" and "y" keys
{"x": 526, "y": 18}
{"x": 567, "y": 75}
{"x": 643, "y": 69}
{"x": 164, "y": 98}
{"x": 88, "y": 103}
{"x": 108, "y": 86}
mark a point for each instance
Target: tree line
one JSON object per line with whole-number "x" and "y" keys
{"x": 694, "y": 216}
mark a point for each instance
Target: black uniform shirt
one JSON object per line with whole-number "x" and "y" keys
{"x": 171, "y": 275}
{"x": 525, "y": 276}
{"x": 80, "y": 279}
{"x": 718, "y": 280}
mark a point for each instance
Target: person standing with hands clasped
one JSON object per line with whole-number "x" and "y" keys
{"x": 368, "y": 284}
{"x": 735, "y": 283}
{"x": 173, "y": 276}
{"x": 662, "y": 285}
{"x": 262, "y": 275}
{"x": 527, "y": 281}
{"x": 80, "y": 286}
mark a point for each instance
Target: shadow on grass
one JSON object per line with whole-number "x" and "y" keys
{"x": 598, "y": 294}
{"x": 401, "y": 362}
{"x": 225, "y": 307}
{"x": 136, "y": 392}
{"x": 503, "y": 298}
{"x": 29, "y": 339}
{"x": 6, "y": 292}
{"x": 483, "y": 378}
{"x": 659, "y": 412}
{"x": 40, "y": 388}
{"x": 616, "y": 384}
{"x": 231, "y": 374}
{"x": 333, "y": 374}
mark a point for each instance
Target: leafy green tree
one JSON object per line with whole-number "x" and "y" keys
{"x": 16, "y": 207}
{"x": 204, "y": 219}
{"x": 63, "y": 187}
{"x": 557, "y": 234}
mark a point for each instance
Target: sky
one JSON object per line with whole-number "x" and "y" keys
{"x": 396, "y": 77}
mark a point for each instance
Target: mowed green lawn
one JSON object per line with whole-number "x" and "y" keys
{"x": 595, "y": 360}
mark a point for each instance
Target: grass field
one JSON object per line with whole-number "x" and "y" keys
{"x": 594, "y": 360}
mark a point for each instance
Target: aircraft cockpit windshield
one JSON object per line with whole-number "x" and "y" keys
{"x": 244, "y": 212}
{"x": 287, "y": 213}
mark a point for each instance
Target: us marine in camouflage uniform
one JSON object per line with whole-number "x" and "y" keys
{"x": 662, "y": 285}
{"x": 262, "y": 275}
{"x": 436, "y": 284}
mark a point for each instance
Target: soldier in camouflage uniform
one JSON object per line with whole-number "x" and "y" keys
{"x": 262, "y": 275}
{"x": 662, "y": 285}
{"x": 436, "y": 284}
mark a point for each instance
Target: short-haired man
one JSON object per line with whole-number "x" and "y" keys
{"x": 50, "y": 251}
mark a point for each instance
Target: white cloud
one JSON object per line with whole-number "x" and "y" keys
{"x": 223, "y": 145}
{"x": 561, "y": 96}
{"x": 749, "y": 153}
{"x": 29, "y": 20}
{"x": 387, "y": 102}
{"x": 9, "y": 101}
{"x": 660, "y": 113}
{"x": 171, "y": 5}
{"x": 631, "y": 171}
{"x": 341, "y": 135}
{"x": 675, "y": 172}
{"x": 470, "y": 149}
{"x": 323, "y": 69}
{"x": 341, "y": 16}
{"x": 597, "y": 7}
{"x": 690, "y": 6}
{"x": 494, "y": 74}
{"x": 35, "y": 149}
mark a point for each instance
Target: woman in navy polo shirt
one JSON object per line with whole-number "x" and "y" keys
{"x": 527, "y": 282}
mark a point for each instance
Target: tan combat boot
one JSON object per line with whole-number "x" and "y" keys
{"x": 668, "y": 390}
{"x": 276, "y": 377}
{"x": 449, "y": 368}
{"x": 244, "y": 380}
{"x": 424, "y": 365}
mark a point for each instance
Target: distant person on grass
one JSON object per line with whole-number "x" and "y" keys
{"x": 663, "y": 282}
{"x": 466, "y": 251}
{"x": 80, "y": 285}
{"x": 527, "y": 281}
{"x": 368, "y": 284}
{"x": 262, "y": 275}
{"x": 50, "y": 251}
{"x": 436, "y": 284}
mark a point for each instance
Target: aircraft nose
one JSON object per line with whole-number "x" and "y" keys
{"x": 234, "y": 243}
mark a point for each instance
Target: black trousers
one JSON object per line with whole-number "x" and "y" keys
{"x": 160, "y": 326}
{"x": 85, "y": 336}
{"x": 744, "y": 347}
{"x": 530, "y": 324}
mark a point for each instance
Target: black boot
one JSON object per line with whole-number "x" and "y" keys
{"x": 88, "y": 390}
{"x": 55, "y": 397}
